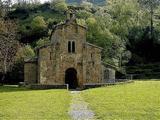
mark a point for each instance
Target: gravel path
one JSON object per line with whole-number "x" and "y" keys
{"x": 79, "y": 108}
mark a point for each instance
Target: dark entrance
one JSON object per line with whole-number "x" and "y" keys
{"x": 71, "y": 78}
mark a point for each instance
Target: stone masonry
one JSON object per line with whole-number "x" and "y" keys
{"x": 68, "y": 59}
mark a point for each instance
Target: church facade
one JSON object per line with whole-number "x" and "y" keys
{"x": 68, "y": 59}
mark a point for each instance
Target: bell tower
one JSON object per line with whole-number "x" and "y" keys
{"x": 70, "y": 15}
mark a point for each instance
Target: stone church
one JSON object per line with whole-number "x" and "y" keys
{"x": 68, "y": 59}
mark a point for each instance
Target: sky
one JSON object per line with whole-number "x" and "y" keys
{"x": 42, "y": 1}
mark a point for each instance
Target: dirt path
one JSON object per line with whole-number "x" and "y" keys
{"x": 79, "y": 108}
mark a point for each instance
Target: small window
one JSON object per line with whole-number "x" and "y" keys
{"x": 69, "y": 47}
{"x": 73, "y": 47}
{"x": 50, "y": 55}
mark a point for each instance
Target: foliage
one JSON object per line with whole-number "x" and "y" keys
{"x": 21, "y": 13}
{"x": 91, "y": 21}
{"x": 59, "y": 5}
{"x": 1, "y": 10}
{"x": 42, "y": 42}
{"x": 38, "y": 27}
{"x": 137, "y": 100}
{"x": 86, "y": 5}
{"x": 24, "y": 52}
{"x": 38, "y": 23}
{"x": 25, "y": 16}
{"x": 83, "y": 14}
{"x": 112, "y": 20}
{"x": 21, "y": 103}
{"x": 8, "y": 45}
{"x": 81, "y": 22}
{"x": 150, "y": 5}
{"x": 16, "y": 75}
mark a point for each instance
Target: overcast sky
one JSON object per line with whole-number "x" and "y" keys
{"x": 42, "y": 1}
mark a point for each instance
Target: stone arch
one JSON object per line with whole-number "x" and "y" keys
{"x": 71, "y": 78}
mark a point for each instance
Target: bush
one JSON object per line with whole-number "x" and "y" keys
{"x": 42, "y": 42}
{"x": 38, "y": 23}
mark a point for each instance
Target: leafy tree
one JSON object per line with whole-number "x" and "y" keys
{"x": 86, "y": 5}
{"x": 81, "y": 22}
{"x": 112, "y": 29}
{"x": 17, "y": 73}
{"x": 8, "y": 46}
{"x": 38, "y": 23}
{"x": 38, "y": 28}
{"x": 42, "y": 42}
{"x": 151, "y": 5}
{"x": 59, "y": 5}
{"x": 83, "y": 14}
{"x": 1, "y": 10}
{"x": 24, "y": 52}
{"x": 91, "y": 21}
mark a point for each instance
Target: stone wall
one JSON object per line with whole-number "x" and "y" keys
{"x": 93, "y": 66}
{"x": 55, "y": 59}
{"x": 47, "y": 66}
{"x": 30, "y": 72}
{"x": 108, "y": 75}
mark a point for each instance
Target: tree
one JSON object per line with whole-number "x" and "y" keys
{"x": 111, "y": 29}
{"x": 38, "y": 27}
{"x": 83, "y": 14}
{"x": 86, "y": 5}
{"x": 24, "y": 52}
{"x": 151, "y": 5}
{"x": 59, "y": 5}
{"x": 1, "y": 10}
{"x": 38, "y": 23}
{"x": 8, "y": 46}
{"x": 42, "y": 42}
{"x": 6, "y": 6}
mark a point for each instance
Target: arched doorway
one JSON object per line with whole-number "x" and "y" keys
{"x": 71, "y": 78}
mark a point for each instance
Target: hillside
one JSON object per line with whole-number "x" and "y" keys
{"x": 25, "y": 17}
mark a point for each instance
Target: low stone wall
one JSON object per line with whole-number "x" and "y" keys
{"x": 121, "y": 80}
{"x": 87, "y": 86}
{"x": 42, "y": 87}
{"x": 65, "y": 86}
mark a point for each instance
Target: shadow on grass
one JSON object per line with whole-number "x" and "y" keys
{"x": 12, "y": 88}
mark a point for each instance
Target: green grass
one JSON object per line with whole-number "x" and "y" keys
{"x": 23, "y": 104}
{"x": 134, "y": 101}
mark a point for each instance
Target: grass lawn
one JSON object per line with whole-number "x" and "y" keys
{"x": 23, "y": 104}
{"x": 134, "y": 101}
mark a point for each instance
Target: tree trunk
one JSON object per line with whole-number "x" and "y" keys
{"x": 2, "y": 79}
{"x": 152, "y": 12}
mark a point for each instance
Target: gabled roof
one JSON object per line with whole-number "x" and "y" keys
{"x": 110, "y": 65}
{"x": 94, "y": 45}
{"x": 43, "y": 46}
{"x": 30, "y": 60}
{"x": 67, "y": 22}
